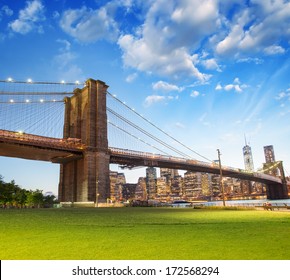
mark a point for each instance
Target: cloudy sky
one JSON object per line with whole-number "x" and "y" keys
{"x": 207, "y": 72}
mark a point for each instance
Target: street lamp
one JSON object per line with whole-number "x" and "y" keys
{"x": 97, "y": 194}
{"x": 221, "y": 178}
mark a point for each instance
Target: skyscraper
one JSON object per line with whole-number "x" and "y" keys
{"x": 269, "y": 153}
{"x": 151, "y": 182}
{"x": 248, "y": 157}
{"x": 269, "y": 166}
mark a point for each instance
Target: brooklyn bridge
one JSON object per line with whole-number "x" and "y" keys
{"x": 85, "y": 128}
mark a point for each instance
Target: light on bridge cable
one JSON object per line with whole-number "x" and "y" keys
{"x": 29, "y": 80}
{"x": 10, "y": 79}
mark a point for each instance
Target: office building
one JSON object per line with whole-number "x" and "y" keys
{"x": 269, "y": 154}
{"x": 151, "y": 182}
{"x": 248, "y": 158}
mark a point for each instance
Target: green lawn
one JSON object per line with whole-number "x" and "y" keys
{"x": 143, "y": 233}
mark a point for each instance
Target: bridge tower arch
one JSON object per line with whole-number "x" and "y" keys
{"x": 86, "y": 179}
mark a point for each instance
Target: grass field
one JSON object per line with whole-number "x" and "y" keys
{"x": 143, "y": 233}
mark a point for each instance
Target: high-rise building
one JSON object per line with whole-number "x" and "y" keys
{"x": 269, "y": 166}
{"x": 215, "y": 185}
{"x": 192, "y": 185}
{"x": 128, "y": 191}
{"x": 140, "y": 191}
{"x": 205, "y": 184}
{"x": 176, "y": 187}
{"x": 117, "y": 180}
{"x": 168, "y": 173}
{"x": 151, "y": 182}
{"x": 269, "y": 153}
{"x": 163, "y": 190}
{"x": 248, "y": 157}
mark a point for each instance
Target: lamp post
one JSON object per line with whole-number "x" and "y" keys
{"x": 97, "y": 194}
{"x": 221, "y": 178}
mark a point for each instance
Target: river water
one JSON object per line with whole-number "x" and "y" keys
{"x": 250, "y": 202}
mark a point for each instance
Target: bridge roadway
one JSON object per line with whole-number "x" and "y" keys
{"x": 34, "y": 147}
{"x": 58, "y": 150}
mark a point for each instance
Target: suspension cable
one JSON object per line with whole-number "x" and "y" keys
{"x": 137, "y": 137}
{"x": 158, "y": 128}
{"x": 147, "y": 133}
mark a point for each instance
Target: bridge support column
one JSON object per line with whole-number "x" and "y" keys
{"x": 87, "y": 179}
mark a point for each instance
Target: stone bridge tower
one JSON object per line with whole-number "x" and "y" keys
{"x": 87, "y": 179}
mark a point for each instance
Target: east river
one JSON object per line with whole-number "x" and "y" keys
{"x": 250, "y": 202}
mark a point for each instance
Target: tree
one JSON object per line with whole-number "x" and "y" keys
{"x": 6, "y": 192}
{"x": 20, "y": 197}
{"x": 49, "y": 200}
{"x": 13, "y": 195}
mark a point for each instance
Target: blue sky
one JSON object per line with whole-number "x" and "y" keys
{"x": 207, "y": 72}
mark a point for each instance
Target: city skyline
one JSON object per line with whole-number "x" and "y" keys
{"x": 169, "y": 186}
{"x": 206, "y": 80}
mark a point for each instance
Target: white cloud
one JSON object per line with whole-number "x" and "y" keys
{"x": 256, "y": 60}
{"x": 151, "y": 99}
{"x": 131, "y": 77}
{"x": 195, "y": 93}
{"x": 272, "y": 50}
{"x": 6, "y": 10}
{"x": 211, "y": 64}
{"x": 179, "y": 125}
{"x": 237, "y": 86}
{"x": 282, "y": 95}
{"x": 218, "y": 87}
{"x": 88, "y": 25}
{"x": 237, "y": 81}
{"x": 65, "y": 62}
{"x": 137, "y": 53}
{"x": 170, "y": 35}
{"x": 164, "y": 86}
{"x": 255, "y": 28}
{"x": 29, "y": 18}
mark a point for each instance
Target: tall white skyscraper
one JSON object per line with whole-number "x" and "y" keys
{"x": 248, "y": 157}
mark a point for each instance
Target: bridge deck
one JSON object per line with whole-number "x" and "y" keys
{"x": 57, "y": 150}
{"x": 134, "y": 158}
{"x": 34, "y": 147}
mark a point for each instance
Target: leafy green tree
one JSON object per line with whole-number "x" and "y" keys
{"x": 49, "y": 200}
{"x": 13, "y": 195}
{"x": 20, "y": 197}
{"x": 35, "y": 198}
{"x": 6, "y": 193}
